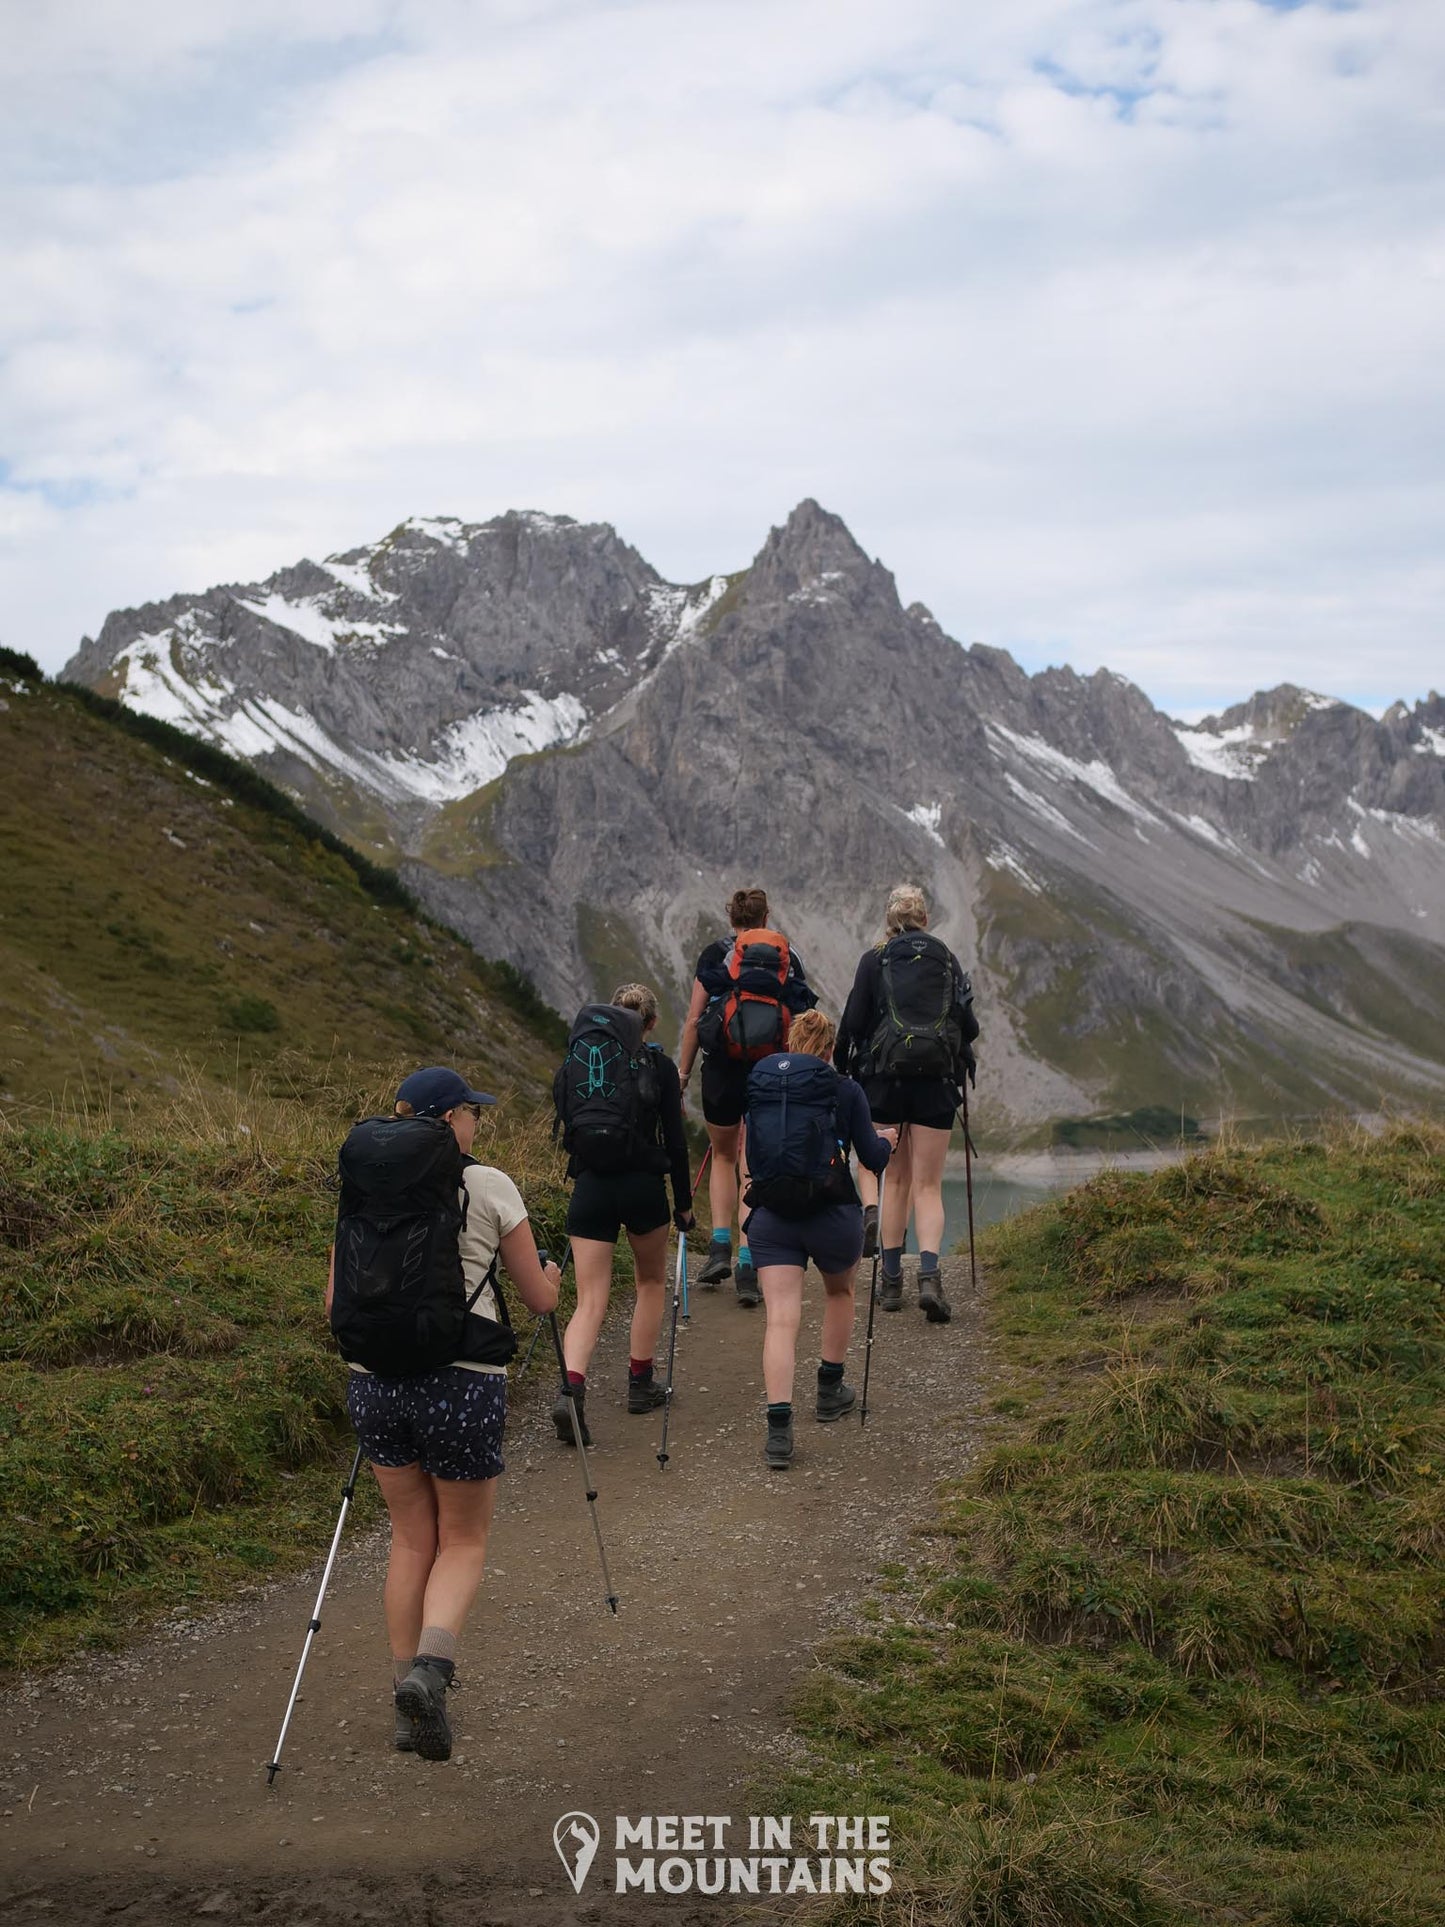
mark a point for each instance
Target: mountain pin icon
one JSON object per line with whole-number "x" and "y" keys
{"x": 575, "y": 1837}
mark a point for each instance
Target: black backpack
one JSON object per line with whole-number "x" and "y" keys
{"x": 399, "y": 1303}
{"x": 796, "y": 1162}
{"x": 921, "y": 1032}
{"x": 605, "y": 1093}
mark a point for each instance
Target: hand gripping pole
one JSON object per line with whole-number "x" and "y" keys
{"x": 314, "y": 1626}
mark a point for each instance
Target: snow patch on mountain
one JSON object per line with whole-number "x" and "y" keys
{"x": 1095, "y": 775}
{"x": 476, "y": 749}
{"x": 1003, "y": 856}
{"x": 928, "y": 816}
{"x": 1231, "y": 752}
{"x": 1041, "y": 807}
{"x": 308, "y": 620}
{"x": 356, "y": 576}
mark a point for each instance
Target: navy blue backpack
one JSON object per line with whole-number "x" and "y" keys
{"x": 796, "y": 1163}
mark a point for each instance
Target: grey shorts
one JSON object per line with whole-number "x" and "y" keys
{"x": 450, "y": 1422}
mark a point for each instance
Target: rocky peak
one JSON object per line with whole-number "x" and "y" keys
{"x": 813, "y": 557}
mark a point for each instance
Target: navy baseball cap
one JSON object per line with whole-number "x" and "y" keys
{"x": 430, "y": 1092}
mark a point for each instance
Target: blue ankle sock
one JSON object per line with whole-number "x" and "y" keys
{"x": 745, "y": 1257}
{"x": 893, "y": 1260}
{"x": 723, "y": 1238}
{"x": 928, "y": 1261}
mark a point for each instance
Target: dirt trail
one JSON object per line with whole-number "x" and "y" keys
{"x": 134, "y": 1787}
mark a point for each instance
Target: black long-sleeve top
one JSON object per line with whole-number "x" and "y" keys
{"x": 855, "y": 1126}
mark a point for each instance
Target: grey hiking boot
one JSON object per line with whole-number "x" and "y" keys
{"x": 834, "y": 1401}
{"x": 931, "y": 1299}
{"x": 890, "y": 1291}
{"x": 718, "y": 1269}
{"x": 870, "y": 1230}
{"x": 422, "y": 1698}
{"x": 747, "y": 1284}
{"x": 562, "y": 1416}
{"x": 778, "y": 1452}
{"x": 645, "y": 1395}
{"x": 403, "y": 1739}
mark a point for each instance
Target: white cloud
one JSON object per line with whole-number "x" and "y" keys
{"x": 1111, "y": 325}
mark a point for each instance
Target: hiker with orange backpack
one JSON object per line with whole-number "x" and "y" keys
{"x": 619, "y": 1110}
{"x": 907, "y": 1033}
{"x": 745, "y": 993}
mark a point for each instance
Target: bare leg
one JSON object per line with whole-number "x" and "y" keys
{"x": 722, "y": 1173}
{"x": 783, "y": 1296}
{"x": 649, "y": 1258}
{"x": 838, "y": 1314}
{"x": 411, "y": 1503}
{"x": 464, "y": 1519}
{"x": 893, "y": 1226}
{"x": 592, "y": 1267}
{"x": 928, "y": 1149}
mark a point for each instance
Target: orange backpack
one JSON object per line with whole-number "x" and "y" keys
{"x": 754, "y": 1018}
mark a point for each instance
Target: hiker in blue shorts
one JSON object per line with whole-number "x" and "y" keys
{"x": 802, "y": 1119}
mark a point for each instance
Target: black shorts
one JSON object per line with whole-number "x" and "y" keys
{"x": 911, "y": 1100}
{"x": 602, "y": 1207}
{"x": 450, "y": 1422}
{"x": 724, "y": 1089}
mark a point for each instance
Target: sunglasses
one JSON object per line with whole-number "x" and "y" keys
{"x": 472, "y": 1110}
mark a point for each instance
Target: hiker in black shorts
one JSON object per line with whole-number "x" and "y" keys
{"x": 434, "y": 1438}
{"x": 725, "y": 1066}
{"x": 802, "y": 1119}
{"x": 628, "y": 1194}
{"x": 906, "y": 1033}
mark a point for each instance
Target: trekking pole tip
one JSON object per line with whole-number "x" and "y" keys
{"x": 272, "y": 1769}
{"x": 612, "y": 1602}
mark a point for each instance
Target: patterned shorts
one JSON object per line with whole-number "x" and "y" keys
{"x": 450, "y": 1422}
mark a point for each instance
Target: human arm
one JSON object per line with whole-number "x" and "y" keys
{"x": 537, "y": 1284}
{"x": 798, "y": 993}
{"x": 856, "y": 1025}
{"x": 687, "y": 1053}
{"x": 874, "y": 1147}
{"x": 674, "y": 1141}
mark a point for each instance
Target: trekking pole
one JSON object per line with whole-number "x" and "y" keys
{"x": 679, "y": 1290}
{"x": 686, "y": 1314}
{"x": 314, "y": 1625}
{"x": 569, "y": 1393}
{"x": 872, "y": 1302}
{"x": 968, "y": 1181}
{"x": 541, "y": 1318}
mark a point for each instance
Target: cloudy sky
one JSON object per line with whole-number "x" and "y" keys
{"x": 1114, "y": 327}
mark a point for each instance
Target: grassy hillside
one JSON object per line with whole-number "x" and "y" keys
{"x": 161, "y": 905}
{"x": 172, "y": 1415}
{"x": 1177, "y": 1652}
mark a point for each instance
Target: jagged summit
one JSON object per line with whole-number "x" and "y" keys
{"x": 577, "y": 760}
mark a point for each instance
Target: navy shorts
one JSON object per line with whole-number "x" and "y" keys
{"x": 450, "y": 1421}
{"x": 601, "y": 1206}
{"x": 832, "y": 1238}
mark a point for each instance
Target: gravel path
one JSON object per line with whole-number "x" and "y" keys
{"x": 133, "y": 1787}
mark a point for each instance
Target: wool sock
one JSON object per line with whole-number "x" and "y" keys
{"x": 745, "y": 1257}
{"x": 639, "y": 1369}
{"x": 723, "y": 1238}
{"x": 438, "y": 1648}
{"x": 829, "y": 1374}
{"x": 928, "y": 1261}
{"x": 893, "y": 1260}
{"x": 780, "y": 1415}
{"x": 577, "y": 1380}
{"x": 399, "y": 1669}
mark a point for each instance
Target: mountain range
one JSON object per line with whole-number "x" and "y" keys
{"x": 573, "y": 762}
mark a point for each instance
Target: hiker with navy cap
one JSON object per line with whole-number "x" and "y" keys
{"x": 420, "y": 1319}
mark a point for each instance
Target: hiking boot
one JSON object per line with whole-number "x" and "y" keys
{"x": 645, "y": 1395}
{"x": 834, "y": 1401}
{"x": 931, "y": 1299}
{"x": 403, "y": 1739}
{"x": 870, "y": 1230}
{"x": 718, "y": 1269}
{"x": 778, "y": 1452}
{"x": 747, "y": 1283}
{"x": 562, "y": 1416}
{"x": 890, "y": 1291}
{"x": 422, "y": 1698}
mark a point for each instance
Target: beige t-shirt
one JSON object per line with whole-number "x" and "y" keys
{"x": 494, "y": 1208}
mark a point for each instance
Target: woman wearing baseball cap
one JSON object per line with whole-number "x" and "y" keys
{"x": 434, "y": 1438}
